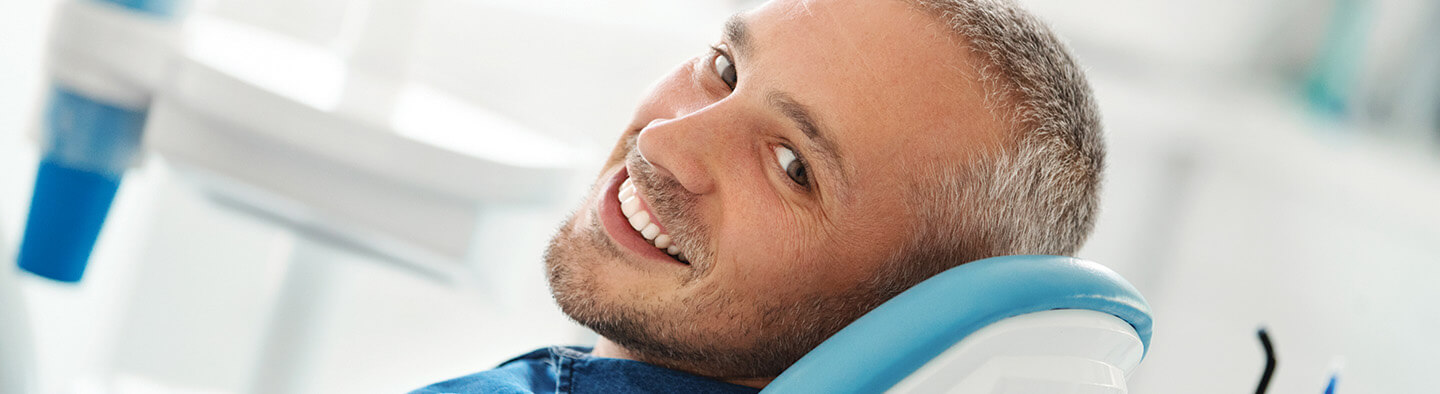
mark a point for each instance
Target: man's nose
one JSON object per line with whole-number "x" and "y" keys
{"x": 683, "y": 148}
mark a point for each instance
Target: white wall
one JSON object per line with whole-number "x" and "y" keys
{"x": 1232, "y": 205}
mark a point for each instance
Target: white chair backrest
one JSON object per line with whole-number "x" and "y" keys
{"x": 1009, "y": 324}
{"x": 1056, "y": 351}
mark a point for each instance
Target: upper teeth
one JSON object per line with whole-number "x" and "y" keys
{"x": 640, "y": 220}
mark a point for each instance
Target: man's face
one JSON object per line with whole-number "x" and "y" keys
{"x": 779, "y": 168}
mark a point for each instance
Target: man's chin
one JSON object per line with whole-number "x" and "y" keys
{"x": 648, "y": 314}
{"x": 613, "y": 303}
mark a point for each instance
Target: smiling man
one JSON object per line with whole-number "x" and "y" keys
{"x": 822, "y": 157}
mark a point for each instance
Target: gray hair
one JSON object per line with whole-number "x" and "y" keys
{"x": 1038, "y": 192}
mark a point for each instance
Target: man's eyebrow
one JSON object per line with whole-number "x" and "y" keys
{"x": 737, "y": 33}
{"x": 818, "y": 136}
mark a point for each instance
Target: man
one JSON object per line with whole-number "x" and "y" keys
{"x": 824, "y": 156}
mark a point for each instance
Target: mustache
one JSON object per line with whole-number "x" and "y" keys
{"x": 677, "y": 206}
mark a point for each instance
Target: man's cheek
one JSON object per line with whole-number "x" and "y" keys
{"x": 760, "y": 260}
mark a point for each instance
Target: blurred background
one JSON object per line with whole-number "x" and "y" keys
{"x": 354, "y": 195}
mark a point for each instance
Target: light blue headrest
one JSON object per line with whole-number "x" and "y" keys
{"x": 886, "y": 345}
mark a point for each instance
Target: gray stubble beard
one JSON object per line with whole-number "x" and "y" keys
{"x": 760, "y": 341}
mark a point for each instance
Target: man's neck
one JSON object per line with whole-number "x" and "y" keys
{"x": 607, "y": 349}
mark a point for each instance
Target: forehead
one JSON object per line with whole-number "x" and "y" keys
{"x": 893, "y": 84}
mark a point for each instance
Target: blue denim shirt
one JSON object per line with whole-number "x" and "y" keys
{"x": 565, "y": 370}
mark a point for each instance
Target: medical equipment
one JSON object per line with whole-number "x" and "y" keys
{"x": 343, "y": 146}
{"x": 1269, "y": 362}
{"x": 353, "y": 158}
{"x": 104, "y": 58}
{"x": 1003, "y": 325}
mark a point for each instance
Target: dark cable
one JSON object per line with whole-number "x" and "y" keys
{"x": 1269, "y": 362}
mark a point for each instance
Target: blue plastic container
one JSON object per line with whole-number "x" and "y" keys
{"x": 88, "y": 144}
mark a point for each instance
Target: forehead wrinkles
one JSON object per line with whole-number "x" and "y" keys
{"x": 824, "y": 19}
{"x": 866, "y": 73}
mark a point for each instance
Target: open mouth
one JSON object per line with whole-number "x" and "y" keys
{"x": 634, "y": 225}
{"x": 643, "y": 220}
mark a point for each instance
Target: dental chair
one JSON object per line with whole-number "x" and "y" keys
{"x": 1003, "y": 325}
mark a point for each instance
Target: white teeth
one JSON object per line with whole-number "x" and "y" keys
{"x": 640, "y": 220}
{"x": 631, "y": 206}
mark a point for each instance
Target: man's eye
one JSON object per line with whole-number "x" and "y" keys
{"x": 724, "y": 67}
{"x": 792, "y": 165}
